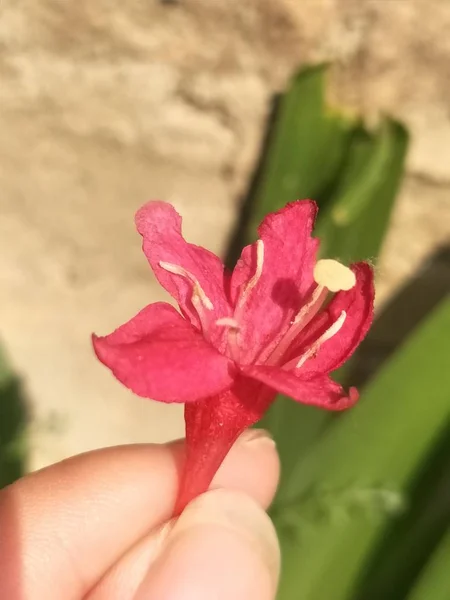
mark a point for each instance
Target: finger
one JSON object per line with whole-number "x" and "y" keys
{"x": 223, "y": 546}
{"x": 64, "y": 526}
{"x": 240, "y": 471}
{"x": 134, "y": 575}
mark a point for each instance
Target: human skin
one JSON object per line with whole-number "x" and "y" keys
{"x": 98, "y": 526}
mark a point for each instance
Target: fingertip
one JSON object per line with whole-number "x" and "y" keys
{"x": 252, "y": 466}
{"x": 237, "y": 512}
{"x": 223, "y": 546}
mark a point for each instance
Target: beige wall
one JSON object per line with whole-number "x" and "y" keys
{"x": 104, "y": 104}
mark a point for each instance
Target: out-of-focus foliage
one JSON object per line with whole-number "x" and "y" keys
{"x": 434, "y": 581}
{"x": 364, "y": 502}
{"x": 343, "y": 496}
{"x": 12, "y": 425}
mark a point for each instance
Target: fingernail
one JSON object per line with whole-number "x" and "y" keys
{"x": 239, "y": 513}
{"x": 252, "y": 436}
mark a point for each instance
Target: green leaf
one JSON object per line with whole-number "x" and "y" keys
{"x": 434, "y": 581}
{"x": 5, "y": 370}
{"x": 406, "y": 548}
{"x": 354, "y": 223}
{"x": 306, "y": 147}
{"x": 355, "y": 479}
{"x": 13, "y": 417}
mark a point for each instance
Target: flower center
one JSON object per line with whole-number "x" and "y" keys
{"x": 329, "y": 275}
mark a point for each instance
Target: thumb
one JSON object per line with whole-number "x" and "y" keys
{"x": 222, "y": 546}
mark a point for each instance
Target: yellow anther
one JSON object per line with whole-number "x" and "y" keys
{"x": 333, "y": 275}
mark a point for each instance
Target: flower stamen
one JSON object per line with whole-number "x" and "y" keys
{"x": 198, "y": 293}
{"x": 327, "y": 335}
{"x": 233, "y": 345}
{"x": 257, "y": 275}
{"x": 301, "y": 320}
{"x": 330, "y": 276}
{"x": 199, "y": 299}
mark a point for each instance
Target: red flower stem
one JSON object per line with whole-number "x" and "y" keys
{"x": 212, "y": 427}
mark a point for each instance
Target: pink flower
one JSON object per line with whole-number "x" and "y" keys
{"x": 281, "y": 322}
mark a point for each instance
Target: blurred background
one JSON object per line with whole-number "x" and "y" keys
{"x": 105, "y": 104}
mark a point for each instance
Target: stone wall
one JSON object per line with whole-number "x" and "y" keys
{"x": 104, "y": 104}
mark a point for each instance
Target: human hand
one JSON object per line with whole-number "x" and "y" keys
{"x": 98, "y": 527}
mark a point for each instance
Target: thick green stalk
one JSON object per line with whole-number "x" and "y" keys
{"x": 354, "y": 480}
{"x": 434, "y": 581}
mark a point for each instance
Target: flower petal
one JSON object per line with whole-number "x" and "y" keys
{"x": 286, "y": 278}
{"x": 321, "y": 391}
{"x": 159, "y": 355}
{"x": 160, "y": 226}
{"x": 358, "y": 305}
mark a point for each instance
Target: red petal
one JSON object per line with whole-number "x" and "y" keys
{"x": 358, "y": 305}
{"x": 321, "y": 391}
{"x": 160, "y": 226}
{"x": 159, "y": 355}
{"x": 286, "y": 279}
